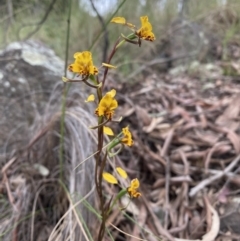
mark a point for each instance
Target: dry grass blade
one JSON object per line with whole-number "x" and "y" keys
{"x": 38, "y": 199}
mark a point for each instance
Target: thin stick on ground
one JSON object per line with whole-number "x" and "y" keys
{"x": 211, "y": 179}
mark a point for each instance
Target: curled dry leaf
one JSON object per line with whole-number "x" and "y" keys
{"x": 214, "y": 229}
{"x": 153, "y": 124}
{"x": 228, "y": 118}
{"x": 143, "y": 115}
{"x": 235, "y": 140}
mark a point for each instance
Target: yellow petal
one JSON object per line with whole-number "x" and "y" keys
{"x": 134, "y": 193}
{"x": 125, "y": 131}
{"x": 109, "y": 66}
{"x": 112, "y": 93}
{"x": 135, "y": 184}
{"x": 127, "y": 138}
{"x": 121, "y": 172}
{"x": 120, "y": 20}
{"x": 109, "y": 178}
{"x": 144, "y": 20}
{"x": 77, "y": 54}
{"x": 90, "y": 98}
{"x": 113, "y": 105}
{"x": 108, "y": 131}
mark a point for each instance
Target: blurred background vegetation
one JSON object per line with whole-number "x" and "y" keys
{"x": 46, "y": 21}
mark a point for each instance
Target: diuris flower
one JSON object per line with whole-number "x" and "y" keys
{"x": 132, "y": 189}
{"x": 145, "y": 32}
{"x": 107, "y": 105}
{"x": 134, "y": 185}
{"x": 83, "y": 64}
{"x": 127, "y": 137}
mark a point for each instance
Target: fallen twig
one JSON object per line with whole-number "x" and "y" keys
{"x": 211, "y": 179}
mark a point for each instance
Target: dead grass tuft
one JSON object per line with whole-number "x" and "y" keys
{"x": 32, "y": 198}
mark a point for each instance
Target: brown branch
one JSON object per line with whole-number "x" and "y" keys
{"x": 39, "y": 24}
{"x": 167, "y": 184}
{"x": 106, "y": 38}
{"x": 10, "y": 11}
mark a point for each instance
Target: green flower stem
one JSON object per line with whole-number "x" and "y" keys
{"x": 114, "y": 143}
{"x": 102, "y": 165}
{"x": 130, "y": 37}
{"x": 92, "y": 78}
{"x": 64, "y": 95}
{"x": 111, "y": 154}
{"x": 98, "y": 158}
{"x": 62, "y": 129}
{"x": 118, "y": 197}
{"x": 121, "y": 43}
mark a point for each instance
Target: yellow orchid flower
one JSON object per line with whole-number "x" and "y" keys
{"x": 145, "y": 32}
{"x": 83, "y": 64}
{"x": 132, "y": 189}
{"x": 127, "y": 137}
{"x": 134, "y": 185}
{"x": 107, "y": 105}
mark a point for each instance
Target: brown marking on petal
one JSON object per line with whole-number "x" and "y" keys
{"x": 70, "y": 68}
{"x": 97, "y": 112}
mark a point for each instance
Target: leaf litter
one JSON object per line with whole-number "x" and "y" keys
{"x": 186, "y": 155}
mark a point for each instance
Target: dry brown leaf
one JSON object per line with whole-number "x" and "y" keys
{"x": 231, "y": 113}
{"x": 126, "y": 111}
{"x": 236, "y": 66}
{"x": 212, "y": 234}
{"x": 167, "y": 142}
{"x": 235, "y": 140}
{"x": 153, "y": 124}
{"x": 143, "y": 115}
{"x": 178, "y": 110}
{"x": 201, "y": 116}
{"x": 196, "y": 225}
{"x": 142, "y": 91}
{"x": 212, "y": 151}
{"x": 207, "y": 136}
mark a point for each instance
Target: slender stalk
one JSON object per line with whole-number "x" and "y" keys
{"x": 64, "y": 94}
{"x": 68, "y": 36}
{"x": 103, "y": 163}
{"x": 108, "y": 62}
